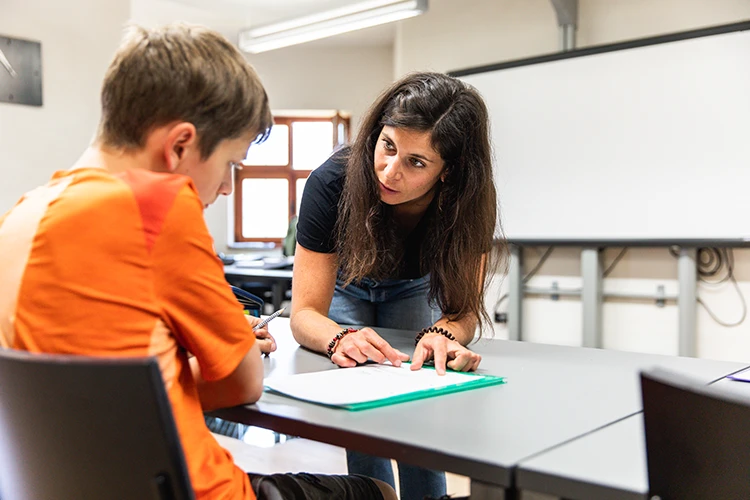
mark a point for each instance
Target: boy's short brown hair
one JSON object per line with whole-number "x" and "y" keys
{"x": 181, "y": 72}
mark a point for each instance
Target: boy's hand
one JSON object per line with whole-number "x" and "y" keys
{"x": 265, "y": 340}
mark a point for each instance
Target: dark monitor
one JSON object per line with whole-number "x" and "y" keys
{"x": 697, "y": 439}
{"x": 74, "y": 427}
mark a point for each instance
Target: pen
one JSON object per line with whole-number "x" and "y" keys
{"x": 268, "y": 319}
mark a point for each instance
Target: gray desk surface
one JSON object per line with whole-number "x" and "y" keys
{"x": 608, "y": 463}
{"x": 554, "y": 394}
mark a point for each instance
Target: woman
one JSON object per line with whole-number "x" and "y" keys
{"x": 397, "y": 232}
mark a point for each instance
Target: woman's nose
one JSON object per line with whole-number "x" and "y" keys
{"x": 392, "y": 169}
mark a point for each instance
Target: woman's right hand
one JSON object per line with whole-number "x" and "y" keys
{"x": 357, "y": 347}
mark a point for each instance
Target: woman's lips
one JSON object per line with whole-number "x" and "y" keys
{"x": 385, "y": 188}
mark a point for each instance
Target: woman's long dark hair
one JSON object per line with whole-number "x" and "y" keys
{"x": 465, "y": 218}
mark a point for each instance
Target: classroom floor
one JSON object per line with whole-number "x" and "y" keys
{"x": 259, "y": 453}
{"x": 301, "y": 455}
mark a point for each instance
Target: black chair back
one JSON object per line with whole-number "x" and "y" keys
{"x": 75, "y": 427}
{"x": 697, "y": 439}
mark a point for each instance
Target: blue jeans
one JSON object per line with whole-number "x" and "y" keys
{"x": 398, "y": 304}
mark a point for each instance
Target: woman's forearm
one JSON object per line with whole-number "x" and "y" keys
{"x": 463, "y": 329}
{"x": 314, "y": 282}
{"x": 313, "y": 330}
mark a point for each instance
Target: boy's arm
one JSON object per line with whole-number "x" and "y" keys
{"x": 200, "y": 309}
{"x": 243, "y": 386}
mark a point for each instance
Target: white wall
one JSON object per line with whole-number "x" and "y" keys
{"x": 455, "y": 35}
{"x": 315, "y": 77}
{"x": 78, "y": 39}
{"x": 222, "y": 16}
{"x": 459, "y": 34}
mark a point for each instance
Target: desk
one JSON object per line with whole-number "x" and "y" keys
{"x": 554, "y": 394}
{"x": 279, "y": 279}
{"x": 609, "y": 463}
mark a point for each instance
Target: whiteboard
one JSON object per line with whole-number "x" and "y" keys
{"x": 643, "y": 143}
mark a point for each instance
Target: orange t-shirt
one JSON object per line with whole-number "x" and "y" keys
{"x": 123, "y": 265}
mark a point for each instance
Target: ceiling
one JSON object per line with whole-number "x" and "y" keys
{"x": 230, "y": 16}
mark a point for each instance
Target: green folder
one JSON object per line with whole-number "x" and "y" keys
{"x": 315, "y": 395}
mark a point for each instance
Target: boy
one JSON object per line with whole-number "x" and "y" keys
{"x": 113, "y": 257}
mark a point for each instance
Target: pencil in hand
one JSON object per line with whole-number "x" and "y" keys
{"x": 268, "y": 319}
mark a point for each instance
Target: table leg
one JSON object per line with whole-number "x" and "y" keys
{"x": 591, "y": 296}
{"x": 486, "y": 491}
{"x": 277, "y": 294}
{"x": 515, "y": 293}
{"x": 687, "y": 273}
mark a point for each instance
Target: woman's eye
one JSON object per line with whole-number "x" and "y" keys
{"x": 417, "y": 163}
{"x": 387, "y": 145}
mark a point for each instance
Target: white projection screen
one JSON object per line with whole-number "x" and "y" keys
{"x": 648, "y": 142}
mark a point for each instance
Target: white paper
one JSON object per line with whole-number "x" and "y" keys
{"x": 372, "y": 382}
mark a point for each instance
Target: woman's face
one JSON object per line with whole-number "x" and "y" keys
{"x": 407, "y": 167}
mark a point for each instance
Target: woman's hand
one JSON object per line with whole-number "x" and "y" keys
{"x": 357, "y": 347}
{"x": 265, "y": 340}
{"x": 438, "y": 348}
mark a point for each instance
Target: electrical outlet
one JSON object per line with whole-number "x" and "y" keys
{"x": 501, "y": 317}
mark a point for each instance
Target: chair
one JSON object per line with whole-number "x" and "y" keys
{"x": 697, "y": 439}
{"x": 74, "y": 427}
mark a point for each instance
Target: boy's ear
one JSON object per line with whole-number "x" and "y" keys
{"x": 180, "y": 138}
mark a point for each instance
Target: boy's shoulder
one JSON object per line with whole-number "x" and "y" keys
{"x": 147, "y": 183}
{"x": 96, "y": 197}
{"x": 138, "y": 180}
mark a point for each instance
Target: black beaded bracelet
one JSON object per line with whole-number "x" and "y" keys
{"x": 335, "y": 340}
{"x": 433, "y": 329}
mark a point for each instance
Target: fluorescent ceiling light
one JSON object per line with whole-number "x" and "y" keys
{"x": 324, "y": 24}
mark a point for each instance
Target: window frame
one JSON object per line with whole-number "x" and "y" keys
{"x": 284, "y": 171}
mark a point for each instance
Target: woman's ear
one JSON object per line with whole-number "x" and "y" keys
{"x": 180, "y": 138}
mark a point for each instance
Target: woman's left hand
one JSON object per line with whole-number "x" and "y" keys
{"x": 444, "y": 353}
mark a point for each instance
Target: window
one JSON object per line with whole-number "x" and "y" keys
{"x": 268, "y": 190}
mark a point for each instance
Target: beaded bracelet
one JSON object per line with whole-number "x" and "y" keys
{"x": 433, "y": 329}
{"x": 335, "y": 340}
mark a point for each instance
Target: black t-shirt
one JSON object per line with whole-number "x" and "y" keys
{"x": 319, "y": 211}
